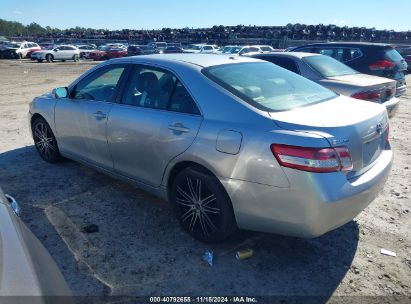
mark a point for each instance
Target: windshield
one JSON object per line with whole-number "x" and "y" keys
{"x": 328, "y": 67}
{"x": 103, "y": 48}
{"x": 267, "y": 86}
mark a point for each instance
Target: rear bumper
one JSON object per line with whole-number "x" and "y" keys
{"x": 391, "y": 106}
{"x": 314, "y": 204}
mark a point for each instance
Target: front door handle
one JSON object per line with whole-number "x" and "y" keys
{"x": 100, "y": 115}
{"x": 178, "y": 127}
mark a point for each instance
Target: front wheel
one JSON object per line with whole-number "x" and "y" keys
{"x": 75, "y": 58}
{"x": 49, "y": 58}
{"x": 202, "y": 205}
{"x": 45, "y": 141}
{"x": 40, "y": 60}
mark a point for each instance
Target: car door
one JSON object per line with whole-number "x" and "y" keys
{"x": 156, "y": 120}
{"x": 82, "y": 117}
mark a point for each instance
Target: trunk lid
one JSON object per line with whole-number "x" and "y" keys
{"x": 385, "y": 87}
{"x": 359, "y": 125}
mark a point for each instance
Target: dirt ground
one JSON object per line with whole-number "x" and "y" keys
{"x": 140, "y": 248}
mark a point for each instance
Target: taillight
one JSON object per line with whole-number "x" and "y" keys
{"x": 369, "y": 96}
{"x": 382, "y": 65}
{"x": 313, "y": 159}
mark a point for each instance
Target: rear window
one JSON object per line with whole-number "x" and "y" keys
{"x": 328, "y": 67}
{"x": 267, "y": 86}
{"x": 393, "y": 54}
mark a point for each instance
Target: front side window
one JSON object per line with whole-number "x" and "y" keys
{"x": 328, "y": 67}
{"x": 158, "y": 89}
{"x": 267, "y": 86}
{"x": 101, "y": 85}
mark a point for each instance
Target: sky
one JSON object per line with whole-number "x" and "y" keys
{"x": 156, "y": 14}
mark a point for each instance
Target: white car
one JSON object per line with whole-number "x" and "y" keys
{"x": 61, "y": 52}
{"x": 26, "y": 48}
{"x": 85, "y": 50}
{"x": 201, "y": 48}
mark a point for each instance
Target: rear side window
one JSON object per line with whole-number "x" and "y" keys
{"x": 181, "y": 101}
{"x": 268, "y": 87}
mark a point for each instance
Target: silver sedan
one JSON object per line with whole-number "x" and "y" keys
{"x": 231, "y": 142}
{"x": 338, "y": 77}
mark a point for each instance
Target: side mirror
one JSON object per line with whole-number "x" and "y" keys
{"x": 61, "y": 92}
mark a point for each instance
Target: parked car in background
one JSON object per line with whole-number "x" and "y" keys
{"x": 337, "y": 76}
{"x": 408, "y": 60}
{"x": 4, "y": 44}
{"x": 85, "y": 50}
{"x": 173, "y": 50}
{"x": 108, "y": 52}
{"x": 201, "y": 48}
{"x": 26, "y": 48}
{"x": 20, "y": 49}
{"x": 116, "y": 52}
{"x": 368, "y": 58}
{"x": 61, "y": 52}
{"x": 292, "y": 157}
{"x": 27, "y": 269}
{"x": 159, "y": 46}
{"x": 100, "y": 53}
{"x": 135, "y": 50}
{"x": 9, "y": 51}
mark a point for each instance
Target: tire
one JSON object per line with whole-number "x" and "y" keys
{"x": 40, "y": 60}
{"x": 49, "y": 58}
{"x": 76, "y": 58}
{"x": 45, "y": 142}
{"x": 202, "y": 205}
{"x": 63, "y": 60}
{"x": 20, "y": 55}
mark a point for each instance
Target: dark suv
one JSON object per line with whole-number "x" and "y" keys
{"x": 369, "y": 58}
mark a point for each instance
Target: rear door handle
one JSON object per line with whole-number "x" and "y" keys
{"x": 179, "y": 127}
{"x": 100, "y": 115}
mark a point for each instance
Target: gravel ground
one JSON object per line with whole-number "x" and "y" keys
{"x": 140, "y": 248}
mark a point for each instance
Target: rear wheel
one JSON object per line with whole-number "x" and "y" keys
{"x": 49, "y": 58}
{"x": 39, "y": 60}
{"x": 202, "y": 206}
{"x": 45, "y": 141}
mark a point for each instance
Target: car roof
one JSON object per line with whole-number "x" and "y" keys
{"x": 201, "y": 60}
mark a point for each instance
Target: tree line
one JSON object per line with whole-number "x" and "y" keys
{"x": 13, "y": 28}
